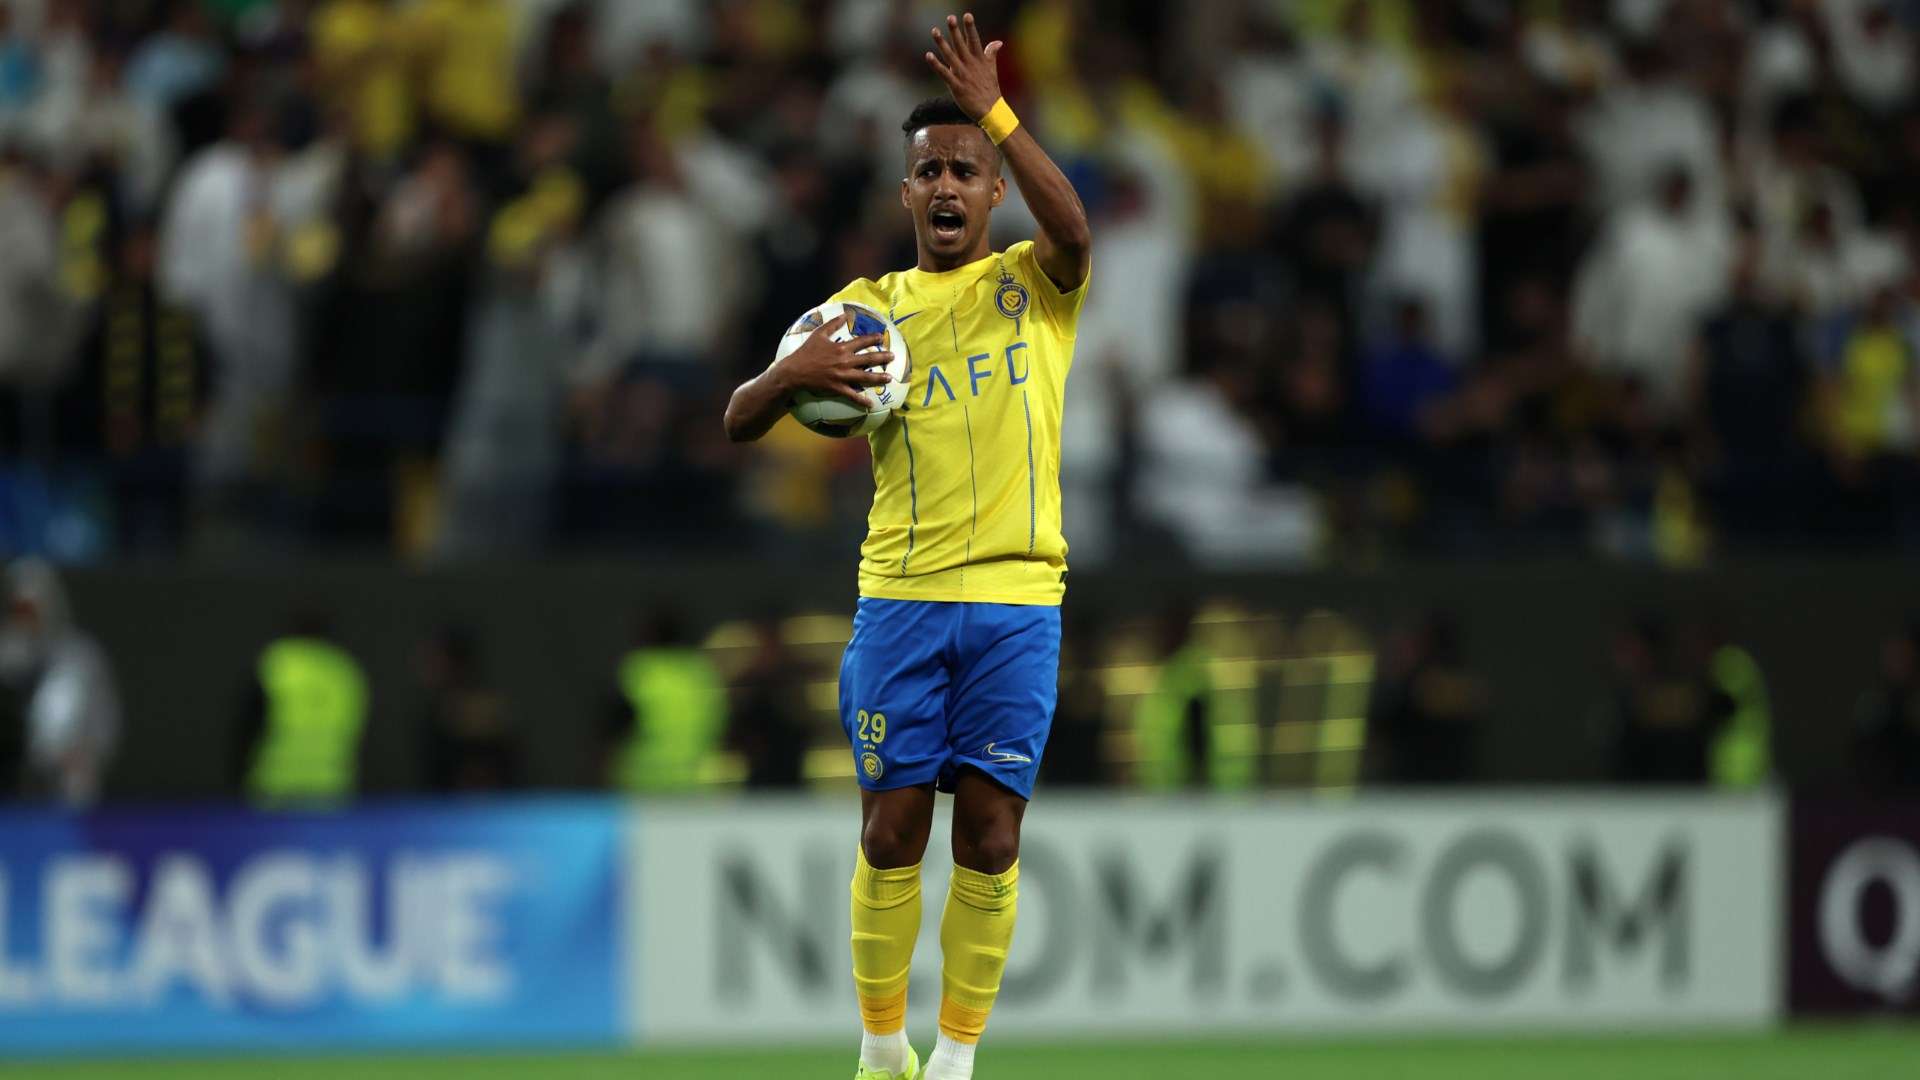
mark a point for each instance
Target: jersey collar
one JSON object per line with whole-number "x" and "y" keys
{"x": 958, "y": 273}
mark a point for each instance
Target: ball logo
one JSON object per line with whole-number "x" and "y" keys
{"x": 1011, "y": 297}
{"x": 870, "y": 764}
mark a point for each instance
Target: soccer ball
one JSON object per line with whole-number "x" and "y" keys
{"x": 835, "y": 416}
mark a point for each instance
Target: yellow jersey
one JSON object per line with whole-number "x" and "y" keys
{"x": 966, "y": 476}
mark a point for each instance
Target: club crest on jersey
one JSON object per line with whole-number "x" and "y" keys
{"x": 870, "y": 764}
{"x": 1011, "y": 297}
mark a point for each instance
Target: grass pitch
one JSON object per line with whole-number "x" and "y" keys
{"x": 1799, "y": 1054}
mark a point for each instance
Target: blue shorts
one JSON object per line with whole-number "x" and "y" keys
{"x": 928, "y": 688}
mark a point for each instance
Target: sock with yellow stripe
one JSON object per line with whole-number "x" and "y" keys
{"x": 886, "y": 922}
{"x": 975, "y": 933}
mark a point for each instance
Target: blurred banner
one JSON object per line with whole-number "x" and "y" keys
{"x": 1194, "y": 916}
{"x": 407, "y": 925}
{"x": 596, "y": 922}
{"x": 1855, "y": 942}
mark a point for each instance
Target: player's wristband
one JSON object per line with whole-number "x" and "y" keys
{"x": 1000, "y": 121}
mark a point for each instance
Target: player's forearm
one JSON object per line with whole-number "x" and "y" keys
{"x": 1066, "y": 242}
{"x": 756, "y": 406}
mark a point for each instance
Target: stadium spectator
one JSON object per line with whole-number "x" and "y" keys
{"x": 795, "y": 247}
{"x": 766, "y": 722}
{"x": 859, "y": 114}
{"x": 72, "y": 709}
{"x": 1076, "y": 751}
{"x": 1571, "y": 46}
{"x": 1644, "y": 289}
{"x": 1873, "y": 53}
{"x": 388, "y": 375}
{"x": 1532, "y": 219}
{"x": 41, "y": 319}
{"x": 1423, "y": 721}
{"x": 1270, "y": 92}
{"x": 1204, "y": 462}
{"x": 129, "y": 140}
{"x": 468, "y": 742}
{"x": 1869, "y": 404}
{"x": 134, "y": 402}
{"x": 1871, "y": 383}
{"x": 1886, "y": 732}
{"x": 1808, "y": 211}
{"x": 465, "y": 51}
{"x": 66, "y": 44}
{"x": 505, "y": 432}
{"x": 1642, "y": 128}
{"x": 568, "y": 86}
{"x": 19, "y": 65}
{"x": 665, "y": 273}
{"x": 1327, "y": 230}
{"x": 1404, "y": 376}
{"x": 219, "y": 239}
{"x": 358, "y": 49}
{"x": 179, "y": 61}
{"x": 1424, "y": 168}
{"x": 1665, "y": 714}
{"x": 1376, "y": 79}
{"x": 1750, "y": 393}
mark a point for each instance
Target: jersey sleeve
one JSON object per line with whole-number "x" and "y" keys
{"x": 860, "y": 291}
{"x": 1061, "y": 310}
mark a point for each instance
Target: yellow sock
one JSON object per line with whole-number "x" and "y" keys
{"x": 975, "y": 932}
{"x": 886, "y": 922}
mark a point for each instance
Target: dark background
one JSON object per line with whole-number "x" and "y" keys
{"x": 184, "y": 641}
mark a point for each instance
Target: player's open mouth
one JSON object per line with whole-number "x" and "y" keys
{"x": 947, "y": 225}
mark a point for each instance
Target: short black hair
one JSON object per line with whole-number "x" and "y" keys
{"x": 934, "y": 112}
{"x": 939, "y": 112}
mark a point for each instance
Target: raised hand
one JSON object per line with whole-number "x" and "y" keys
{"x": 968, "y": 67}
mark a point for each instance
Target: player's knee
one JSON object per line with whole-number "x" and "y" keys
{"x": 990, "y": 847}
{"x": 891, "y": 842}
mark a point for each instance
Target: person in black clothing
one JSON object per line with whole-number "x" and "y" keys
{"x": 1329, "y": 231}
{"x": 467, "y": 740}
{"x": 1751, "y": 386}
{"x": 136, "y": 398}
{"x": 1666, "y": 711}
{"x": 795, "y": 251}
{"x": 1074, "y": 757}
{"x": 1886, "y": 749}
{"x": 1530, "y": 225}
{"x": 1424, "y": 718}
{"x": 768, "y": 723}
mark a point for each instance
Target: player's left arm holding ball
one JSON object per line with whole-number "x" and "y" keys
{"x": 1064, "y": 246}
{"x": 822, "y": 365}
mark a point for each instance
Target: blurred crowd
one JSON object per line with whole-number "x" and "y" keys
{"x": 464, "y": 278}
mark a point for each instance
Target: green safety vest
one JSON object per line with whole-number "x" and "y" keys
{"x": 679, "y": 717}
{"x": 1743, "y": 752}
{"x": 1161, "y": 726}
{"x": 316, "y": 707}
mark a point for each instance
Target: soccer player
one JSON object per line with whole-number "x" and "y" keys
{"x": 950, "y": 677}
